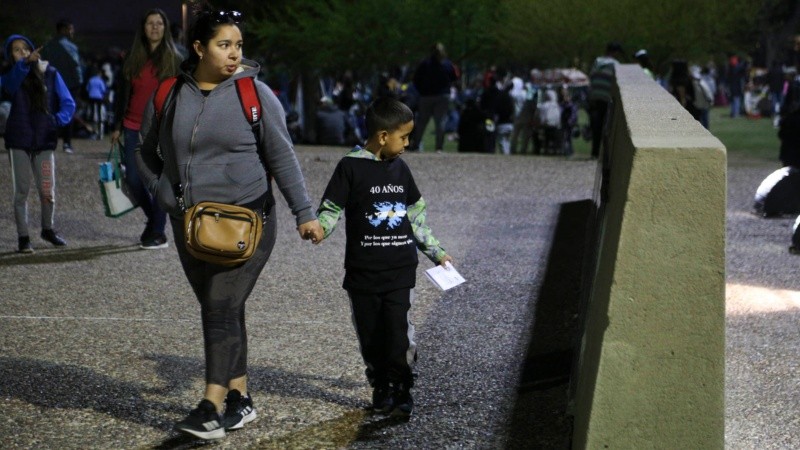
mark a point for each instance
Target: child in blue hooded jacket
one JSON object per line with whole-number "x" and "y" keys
{"x": 40, "y": 103}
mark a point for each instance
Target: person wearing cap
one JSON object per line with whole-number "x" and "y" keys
{"x": 601, "y": 79}
{"x": 40, "y": 102}
{"x": 644, "y": 60}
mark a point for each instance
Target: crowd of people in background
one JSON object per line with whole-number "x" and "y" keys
{"x": 495, "y": 110}
{"x": 492, "y": 110}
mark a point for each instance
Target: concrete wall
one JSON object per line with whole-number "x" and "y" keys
{"x": 651, "y": 368}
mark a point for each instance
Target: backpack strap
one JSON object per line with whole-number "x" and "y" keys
{"x": 251, "y": 107}
{"x": 248, "y": 97}
{"x": 162, "y": 92}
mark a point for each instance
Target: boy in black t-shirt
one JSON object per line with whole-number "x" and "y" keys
{"x": 385, "y": 224}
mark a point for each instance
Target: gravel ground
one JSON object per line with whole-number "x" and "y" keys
{"x": 100, "y": 342}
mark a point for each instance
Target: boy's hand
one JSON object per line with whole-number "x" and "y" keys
{"x": 314, "y": 236}
{"x": 447, "y": 259}
{"x": 311, "y": 230}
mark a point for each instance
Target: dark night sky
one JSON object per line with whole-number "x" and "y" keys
{"x": 102, "y": 24}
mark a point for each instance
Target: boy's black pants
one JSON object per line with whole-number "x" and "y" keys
{"x": 385, "y": 334}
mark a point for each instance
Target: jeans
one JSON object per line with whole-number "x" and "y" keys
{"x": 156, "y": 217}
{"x": 736, "y": 105}
{"x": 504, "y": 131}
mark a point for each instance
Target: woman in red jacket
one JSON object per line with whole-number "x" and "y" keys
{"x": 153, "y": 57}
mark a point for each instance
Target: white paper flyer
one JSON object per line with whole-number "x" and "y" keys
{"x": 444, "y": 277}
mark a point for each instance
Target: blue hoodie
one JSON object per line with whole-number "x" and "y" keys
{"x": 27, "y": 129}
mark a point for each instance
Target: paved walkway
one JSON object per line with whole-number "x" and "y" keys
{"x": 100, "y": 343}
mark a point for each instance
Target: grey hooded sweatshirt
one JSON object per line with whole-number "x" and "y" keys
{"x": 216, "y": 149}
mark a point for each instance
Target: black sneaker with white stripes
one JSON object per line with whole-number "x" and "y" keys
{"x": 204, "y": 422}
{"x": 239, "y": 410}
{"x": 402, "y": 401}
{"x": 382, "y": 398}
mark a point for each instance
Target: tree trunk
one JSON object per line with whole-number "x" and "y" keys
{"x": 311, "y": 96}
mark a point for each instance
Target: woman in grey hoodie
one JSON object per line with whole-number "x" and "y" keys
{"x": 211, "y": 152}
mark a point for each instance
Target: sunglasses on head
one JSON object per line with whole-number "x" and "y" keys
{"x": 223, "y": 16}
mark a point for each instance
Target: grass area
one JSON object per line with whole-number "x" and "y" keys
{"x": 429, "y": 139}
{"x": 742, "y": 136}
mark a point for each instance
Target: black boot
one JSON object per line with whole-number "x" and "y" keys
{"x": 53, "y": 237}
{"x": 25, "y": 245}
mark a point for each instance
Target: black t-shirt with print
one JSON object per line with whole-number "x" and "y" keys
{"x": 375, "y": 196}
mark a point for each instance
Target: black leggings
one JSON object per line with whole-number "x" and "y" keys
{"x": 222, "y": 292}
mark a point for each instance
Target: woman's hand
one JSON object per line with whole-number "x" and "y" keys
{"x": 311, "y": 230}
{"x": 115, "y": 136}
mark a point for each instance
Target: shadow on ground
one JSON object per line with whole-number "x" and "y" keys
{"x": 61, "y": 255}
{"x": 539, "y": 419}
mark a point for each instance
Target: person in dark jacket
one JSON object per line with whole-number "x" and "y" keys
{"x": 471, "y": 127}
{"x": 789, "y": 127}
{"x": 40, "y": 103}
{"x": 433, "y": 79}
{"x": 64, "y": 55}
{"x": 331, "y": 123}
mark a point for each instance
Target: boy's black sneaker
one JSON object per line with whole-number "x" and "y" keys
{"x": 25, "y": 245}
{"x": 203, "y": 422}
{"x": 239, "y": 410}
{"x": 154, "y": 242}
{"x": 382, "y": 398}
{"x": 53, "y": 237}
{"x": 402, "y": 402}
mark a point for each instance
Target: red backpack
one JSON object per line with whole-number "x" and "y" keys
{"x": 245, "y": 88}
{"x": 248, "y": 98}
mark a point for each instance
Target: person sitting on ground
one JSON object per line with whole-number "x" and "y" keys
{"x": 331, "y": 123}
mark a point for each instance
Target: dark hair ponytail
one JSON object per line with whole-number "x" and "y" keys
{"x": 33, "y": 85}
{"x": 206, "y": 22}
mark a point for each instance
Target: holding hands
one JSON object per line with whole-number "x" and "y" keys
{"x": 311, "y": 230}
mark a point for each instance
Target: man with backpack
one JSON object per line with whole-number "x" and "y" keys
{"x": 703, "y": 96}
